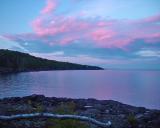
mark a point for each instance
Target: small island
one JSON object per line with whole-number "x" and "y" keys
{"x": 14, "y": 61}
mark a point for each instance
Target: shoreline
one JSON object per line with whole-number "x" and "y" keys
{"x": 80, "y": 98}
{"x": 11, "y": 71}
{"x": 121, "y": 115}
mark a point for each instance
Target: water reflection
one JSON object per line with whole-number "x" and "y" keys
{"x": 140, "y": 88}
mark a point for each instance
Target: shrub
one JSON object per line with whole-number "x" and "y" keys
{"x": 55, "y": 123}
{"x": 132, "y": 121}
{"x": 66, "y": 108}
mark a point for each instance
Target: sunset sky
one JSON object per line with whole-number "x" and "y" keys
{"x": 121, "y": 34}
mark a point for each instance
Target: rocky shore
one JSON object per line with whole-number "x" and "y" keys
{"x": 121, "y": 115}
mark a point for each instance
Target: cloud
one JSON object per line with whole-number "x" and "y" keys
{"x": 54, "y": 29}
{"x": 49, "y": 56}
{"x": 11, "y": 45}
{"x": 116, "y": 62}
{"x": 152, "y": 19}
{"x": 50, "y": 6}
{"x": 106, "y": 34}
{"x": 101, "y": 35}
{"x": 80, "y": 59}
{"x": 148, "y": 53}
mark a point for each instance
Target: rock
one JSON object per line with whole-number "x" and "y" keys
{"x": 122, "y": 116}
{"x": 88, "y": 106}
{"x": 104, "y": 110}
{"x": 139, "y": 116}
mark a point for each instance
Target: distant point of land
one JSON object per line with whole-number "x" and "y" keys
{"x": 14, "y": 61}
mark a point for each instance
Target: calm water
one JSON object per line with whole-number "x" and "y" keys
{"x": 140, "y": 88}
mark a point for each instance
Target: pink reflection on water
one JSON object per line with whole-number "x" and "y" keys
{"x": 140, "y": 88}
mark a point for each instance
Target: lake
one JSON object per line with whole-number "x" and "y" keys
{"x": 138, "y": 88}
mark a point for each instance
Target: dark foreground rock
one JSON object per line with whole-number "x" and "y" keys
{"x": 121, "y": 115}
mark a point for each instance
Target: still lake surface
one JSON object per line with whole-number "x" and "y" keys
{"x": 139, "y": 88}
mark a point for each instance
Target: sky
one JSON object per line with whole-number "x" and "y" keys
{"x": 113, "y": 34}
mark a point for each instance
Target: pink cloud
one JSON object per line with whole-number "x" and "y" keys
{"x": 67, "y": 40}
{"x": 107, "y": 34}
{"x": 50, "y": 6}
{"x": 152, "y": 38}
{"x": 102, "y": 35}
{"x": 109, "y": 39}
{"x": 63, "y": 30}
{"x": 60, "y": 25}
{"x": 37, "y": 26}
{"x": 155, "y": 18}
{"x": 104, "y": 23}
